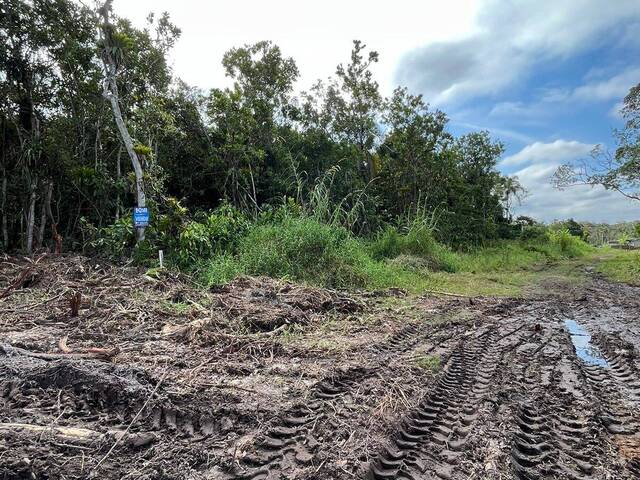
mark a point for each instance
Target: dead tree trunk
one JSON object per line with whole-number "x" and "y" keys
{"x": 110, "y": 92}
{"x": 3, "y": 204}
{"x": 118, "y": 175}
{"x": 31, "y": 214}
{"x": 46, "y": 207}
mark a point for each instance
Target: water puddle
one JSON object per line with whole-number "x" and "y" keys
{"x": 581, "y": 339}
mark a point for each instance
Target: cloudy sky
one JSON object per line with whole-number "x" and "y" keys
{"x": 545, "y": 77}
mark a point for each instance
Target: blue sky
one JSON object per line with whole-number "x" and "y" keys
{"x": 543, "y": 76}
{"x": 546, "y": 78}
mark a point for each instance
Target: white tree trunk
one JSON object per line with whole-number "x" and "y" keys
{"x": 31, "y": 217}
{"x": 118, "y": 175}
{"x": 5, "y": 230}
{"x": 111, "y": 92}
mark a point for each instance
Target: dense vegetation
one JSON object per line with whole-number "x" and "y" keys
{"x": 336, "y": 185}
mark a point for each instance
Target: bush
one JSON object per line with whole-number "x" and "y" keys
{"x": 303, "y": 249}
{"x": 219, "y": 269}
{"x": 533, "y": 232}
{"x": 568, "y": 244}
{"x": 418, "y": 241}
{"x": 217, "y": 232}
{"x": 115, "y": 241}
{"x": 388, "y": 244}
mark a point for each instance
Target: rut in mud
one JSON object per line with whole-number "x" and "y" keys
{"x": 265, "y": 380}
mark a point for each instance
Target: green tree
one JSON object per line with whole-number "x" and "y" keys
{"x": 348, "y": 108}
{"x": 413, "y": 166}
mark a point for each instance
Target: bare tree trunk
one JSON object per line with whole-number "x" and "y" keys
{"x": 118, "y": 175}
{"x": 128, "y": 143}
{"x": 46, "y": 207}
{"x": 111, "y": 93}
{"x": 31, "y": 216}
{"x": 3, "y": 203}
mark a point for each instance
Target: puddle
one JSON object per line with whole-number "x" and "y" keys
{"x": 582, "y": 342}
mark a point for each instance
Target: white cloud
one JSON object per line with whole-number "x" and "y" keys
{"x": 317, "y": 35}
{"x": 616, "y": 111}
{"x": 555, "y": 152}
{"x": 553, "y": 102}
{"x": 510, "y": 39}
{"x": 545, "y": 202}
{"x": 613, "y": 88}
{"x": 582, "y": 203}
{"x": 500, "y": 132}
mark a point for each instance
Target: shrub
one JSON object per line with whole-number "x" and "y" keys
{"x": 116, "y": 240}
{"x": 418, "y": 241}
{"x": 388, "y": 244}
{"x": 533, "y": 232}
{"x": 568, "y": 244}
{"x": 216, "y": 232}
{"x": 219, "y": 269}
{"x": 303, "y": 249}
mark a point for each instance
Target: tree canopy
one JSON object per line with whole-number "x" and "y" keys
{"x": 252, "y": 145}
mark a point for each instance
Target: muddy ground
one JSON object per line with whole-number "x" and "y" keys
{"x": 155, "y": 379}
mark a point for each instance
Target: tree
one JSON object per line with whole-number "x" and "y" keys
{"x": 413, "y": 167}
{"x": 510, "y": 188}
{"x": 618, "y": 171}
{"x": 348, "y": 108}
{"x": 112, "y": 47}
{"x": 45, "y": 63}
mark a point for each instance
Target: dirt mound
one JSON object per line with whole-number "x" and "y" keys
{"x": 264, "y": 304}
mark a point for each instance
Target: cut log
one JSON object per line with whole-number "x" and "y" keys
{"x": 76, "y": 436}
{"x": 70, "y": 435}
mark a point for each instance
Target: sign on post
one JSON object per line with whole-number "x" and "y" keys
{"x": 141, "y": 217}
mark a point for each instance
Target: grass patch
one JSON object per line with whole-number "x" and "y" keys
{"x": 430, "y": 363}
{"x": 619, "y": 265}
{"x": 303, "y": 249}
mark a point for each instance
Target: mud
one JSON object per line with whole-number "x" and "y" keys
{"x": 270, "y": 380}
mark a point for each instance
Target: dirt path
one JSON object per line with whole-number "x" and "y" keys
{"x": 265, "y": 380}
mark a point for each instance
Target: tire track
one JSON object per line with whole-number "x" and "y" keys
{"x": 556, "y": 429}
{"x": 289, "y": 443}
{"x": 619, "y": 394}
{"x": 432, "y": 438}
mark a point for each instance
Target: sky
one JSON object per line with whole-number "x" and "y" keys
{"x": 545, "y": 77}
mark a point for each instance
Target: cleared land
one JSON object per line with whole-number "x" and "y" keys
{"x": 263, "y": 379}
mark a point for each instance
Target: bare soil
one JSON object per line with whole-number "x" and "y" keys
{"x": 156, "y": 379}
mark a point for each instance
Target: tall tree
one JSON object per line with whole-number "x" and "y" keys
{"x": 111, "y": 54}
{"x": 412, "y": 164}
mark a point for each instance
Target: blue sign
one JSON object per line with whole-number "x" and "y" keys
{"x": 140, "y": 217}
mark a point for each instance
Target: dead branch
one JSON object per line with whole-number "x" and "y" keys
{"x": 448, "y": 294}
{"x": 18, "y": 282}
{"x": 75, "y": 436}
{"x": 104, "y": 354}
{"x": 82, "y": 436}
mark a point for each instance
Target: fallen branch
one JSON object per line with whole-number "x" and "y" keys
{"x": 18, "y": 282}
{"x": 104, "y": 354}
{"x": 82, "y": 436}
{"x": 75, "y": 436}
{"x": 449, "y": 294}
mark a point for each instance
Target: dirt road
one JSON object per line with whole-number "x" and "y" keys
{"x": 265, "y": 380}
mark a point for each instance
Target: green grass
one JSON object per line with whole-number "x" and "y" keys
{"x": 619, "y": 265}
{"x": 305, "y": 250}
{"x": 430, "y": 363}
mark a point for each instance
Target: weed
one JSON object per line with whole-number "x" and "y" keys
{"x": 430, "y": 363}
